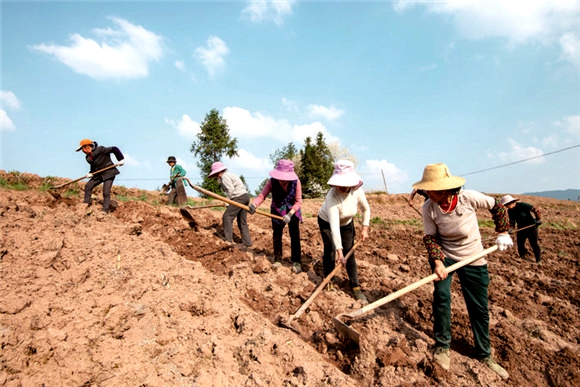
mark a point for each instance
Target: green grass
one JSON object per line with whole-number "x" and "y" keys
{"x": 14, "y": 181}
{"x": 387, "y": 223}
{"x": 486, "y": 223}
{"x": 18, "y": 186}
{"x": 566, "y": 225}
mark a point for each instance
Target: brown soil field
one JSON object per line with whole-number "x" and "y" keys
{"x": 142, "y": 297}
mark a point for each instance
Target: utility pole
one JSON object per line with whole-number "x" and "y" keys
{"x": 385, "y": 181}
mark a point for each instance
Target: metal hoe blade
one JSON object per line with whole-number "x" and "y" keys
{"x": 346, "y": 330}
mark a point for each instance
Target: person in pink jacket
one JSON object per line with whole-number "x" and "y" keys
{"x": 286, "y": 202}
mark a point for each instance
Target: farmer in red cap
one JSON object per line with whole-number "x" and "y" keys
{"x": 286, "y": 202}
{"x": 99, "y": 157}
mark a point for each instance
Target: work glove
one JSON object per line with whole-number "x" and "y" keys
{"x": 287, "y": 218}
{"x": 121, "y": 162}
{"x": 89, "y": 176}
{"x": 538, "y": 222}
{"x": 252, "y": 208}
{"x": 504, "y": 242}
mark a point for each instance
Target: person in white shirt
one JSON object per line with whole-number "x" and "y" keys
{"x": 335, "y": 220}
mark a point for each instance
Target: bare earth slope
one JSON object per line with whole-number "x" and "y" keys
{"x": 142, "y": 297}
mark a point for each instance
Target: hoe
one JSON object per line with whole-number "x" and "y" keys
{"x": 354, "y": 335}
{"x": 298, "y": 313}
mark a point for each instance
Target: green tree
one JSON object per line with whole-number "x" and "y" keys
{"x": 316, "y": 164}
{"x": 213, "y": 142}
{"x": 288, "y": 152}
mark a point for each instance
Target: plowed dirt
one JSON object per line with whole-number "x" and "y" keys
{"x": 142, "y": 297}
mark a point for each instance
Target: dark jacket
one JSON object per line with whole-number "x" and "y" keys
{"x": 521, "y": 215}
{"x": 100, "y": 158}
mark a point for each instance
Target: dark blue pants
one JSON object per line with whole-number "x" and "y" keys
{"x": 474, "y": 281}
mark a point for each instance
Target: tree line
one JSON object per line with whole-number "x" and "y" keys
{"x": 313, "y": 163}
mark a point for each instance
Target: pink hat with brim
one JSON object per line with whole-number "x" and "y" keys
{"x": 284, "y": 171}
{"x": 216, "y": 168}
{"x": 344, "y": 175}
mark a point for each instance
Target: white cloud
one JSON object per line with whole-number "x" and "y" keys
{"x": 372, "y": 174}
{"x": 123, "y": 52}
{"x": 300, "y": 132}
{"x": 429, "y": 67}
{"x": 186, "y": 127}
{"x": 180, "y": 65}
{"x": 268, "y": 10}
{"x": 242, "y": 123}
{"x": 246, "y": 160}
{"x": 328, "y": 113}
{"x": 519, "y": 152}
{"x": 5, "y": 122}
{"x": 571, "y": 125}
{"x": 570, "y": 45}
{"x": 212, "y": 57}
{"x": 517, "y": 21}
{"x": 290, "y": 105}
{"x": 550, "y": 142}
{"x": 10, "y": 100}
{"x": 129, "y": 160}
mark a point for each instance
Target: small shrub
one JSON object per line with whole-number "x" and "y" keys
{"x": 47, "y": 183}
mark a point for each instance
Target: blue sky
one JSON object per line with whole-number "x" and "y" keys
{"x": 399, "y": 85}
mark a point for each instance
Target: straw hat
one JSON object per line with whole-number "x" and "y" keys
{"x": 344, "y": 175}
{"x": 507, "y": 199}
{"x": 436, "y": 177}
{"x": 284, "y": 171}
{"x": 216, "y": 168}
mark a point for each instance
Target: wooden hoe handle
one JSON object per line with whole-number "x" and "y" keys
{"x": 418, "y": 284}
{"x": 322, "y": 284}
{"x": 229, "y": 201}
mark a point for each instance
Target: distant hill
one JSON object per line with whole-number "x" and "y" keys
{"x": 568, "y": 194}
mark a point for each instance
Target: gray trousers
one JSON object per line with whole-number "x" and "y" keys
{"x": 234, "y": 212}
{"x": 107, "y": 185}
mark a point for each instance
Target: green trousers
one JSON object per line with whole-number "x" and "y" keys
{"x": 474, "y": 281}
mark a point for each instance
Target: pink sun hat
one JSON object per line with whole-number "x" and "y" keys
{"x": 284, "y": 171}
{"x": 216, "y": 168}
{"x": 344, "y": 175}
